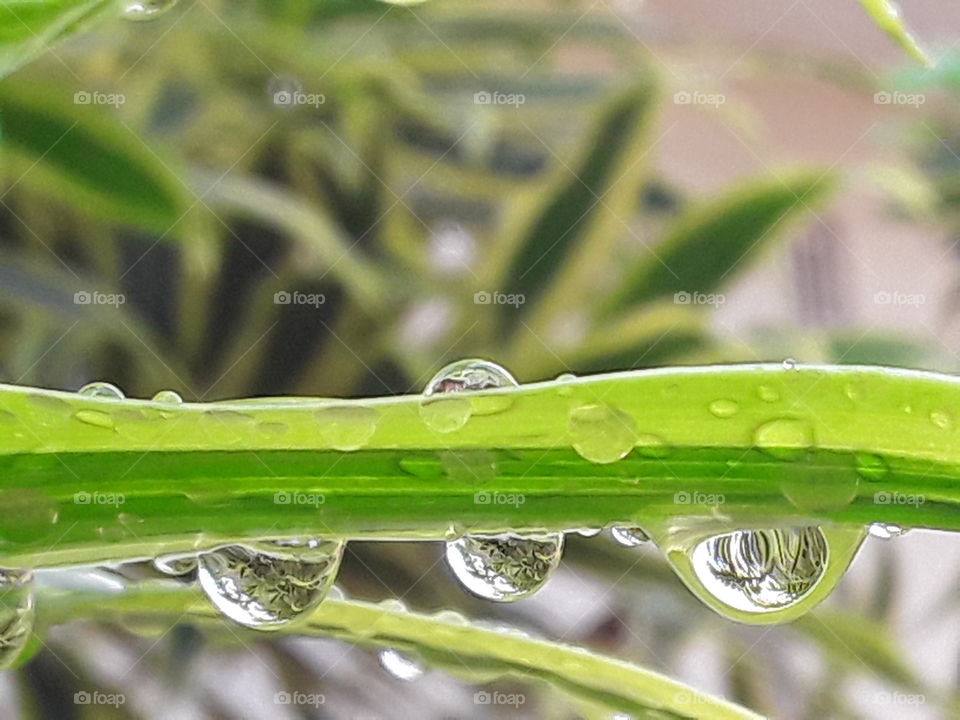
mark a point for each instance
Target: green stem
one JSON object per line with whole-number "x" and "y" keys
{"x": 824, "y": 445}
{"x": 445, "y": 641}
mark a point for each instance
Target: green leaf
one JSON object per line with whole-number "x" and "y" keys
{"x": 541, "y": 240}
{"x": 31, "y": 27}
{"x": 708, "y": 244}
{"x": 445, "y": 641}
{"x": 387, "y": 467}
{"x": 887, "y": 17}
{"x": 91, "y": 157}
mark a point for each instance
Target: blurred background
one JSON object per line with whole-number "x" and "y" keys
{"x": 339, "y": 197}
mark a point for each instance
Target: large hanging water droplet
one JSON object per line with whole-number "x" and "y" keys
{"x": 400, "y": 666}
{"x": 103, "y": 390}
{"x": 269, "y": 584}
{"x": 504, "y": 567}
{"x": 142, "y": 10}
{"x": 761, "y": 570}
{"x": 16, "y": 614}
{"x": 601, "y": 433}
{"x": 629, "y": 536}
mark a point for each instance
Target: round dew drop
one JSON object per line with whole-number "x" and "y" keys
{"x": 167, "y": 397}
{"x": 601, "y": 433}
{"x": 269, "y": 584}
{"x": 141, "y": 10}
{"x": 761, "y": 570}
{"x": 885, "y": 531}
{"x": 399, "y": 665}
{"x": 504, "y": 567}
{"x": 101, "y": 390}
{"x": 724, "y": 408}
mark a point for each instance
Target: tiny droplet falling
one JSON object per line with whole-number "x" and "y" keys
{"x": 271, "y": 583}
{"x": 761, "y": 570}
{"x": 142, "y": 10}
{"x": 399, "y": 665}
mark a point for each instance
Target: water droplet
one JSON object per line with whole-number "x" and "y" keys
{"x": 16, "y": 614}
{"x": 95, "y": 418}
{"x": 885, "y": 531}
{"x": 724, "y": 408}
{"x": 347, "y": 427}
{"x": 271, "y": 583}
{"x": 761, "y": 570}
{"x": 768, "y": 393}
{"x": 564, "y": 389}
{"x": 504, "y": 567}
{"x": 142, "y": 10}
{"x": 789, "y": 364}
{"x": 589, "y": 532}
{"x": 941, "y": 418}
{"x": 101, "y": 390}
{"x": 167, "y": 397}
{"x": 871, "y": 467}
{"x": 400, "y": 666}
{"x": 601, "y": 433}
{"x": 629, "y": 536}
{"x": 652, "y": 446}
{"x": 784, "y": 438}
{"x": 819, "y": 489}
{"x": 448, "y": 414}
{"x": 272, "y": 428}
{"x": 176, "y": 564}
